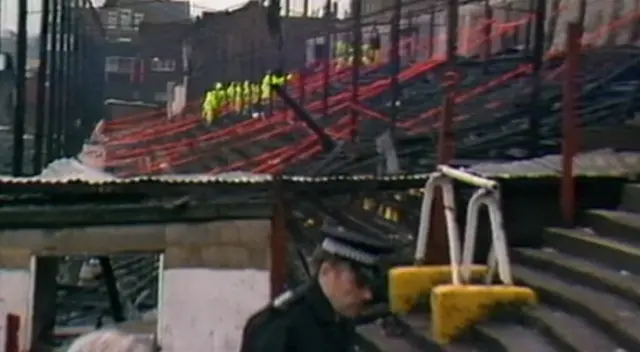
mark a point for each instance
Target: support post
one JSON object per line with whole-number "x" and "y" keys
{"x": 395, "y": 65}
{"x": 67, "y": 116}
{"x": 527, "y": 32}
{"x": 326, "y": 64}
{"x": 570, "y": 138}
{"x": 432, "y": 33}
{"x": 302, "y": 74}
{"x": 20, "y": 81}
{"x": 536, "y": 80}
{"x": 41, "y": 98}
{"x": 437, "y": 251}
{"x": 356, "y": 45}
{"x": 446, "y": 139}
{"x": 53, "y": 81}
{"x": 279, "y": 238}
{"x": 109, "y": 278}
{"x": 487, "y": 44}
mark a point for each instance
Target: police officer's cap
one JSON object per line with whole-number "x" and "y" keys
{"x": 359, "y": 249}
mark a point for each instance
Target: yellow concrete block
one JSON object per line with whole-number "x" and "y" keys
{"x": 407, "y": 284}
{"x": 455, "y": 308}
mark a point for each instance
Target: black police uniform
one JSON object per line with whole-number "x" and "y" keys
{"x": 303, "y": 319}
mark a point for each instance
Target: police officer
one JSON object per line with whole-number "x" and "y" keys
{"x": 320, "y": 316}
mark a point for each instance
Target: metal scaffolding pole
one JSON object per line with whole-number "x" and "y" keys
{"x": 52, "y": 92}
{"x": 356, "y": 45}
{"x": 570, "y": 122}
{"x": 64, "y": 78}
{"x": 68, "y": 116}
{"x": 41, "y": 98}
{"x": 487, "y": 45}
{"x": 328, "y": 15}
{"x": 395, "y": 65}
{"x": 536, "y": 80}
{"x": 446, "y": 141}
{"x": 20, "y": 109}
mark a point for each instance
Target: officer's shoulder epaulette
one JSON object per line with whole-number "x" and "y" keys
{"x": 287, "y": 298}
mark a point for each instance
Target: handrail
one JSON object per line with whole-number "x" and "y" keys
{"x": 487, "y": 195}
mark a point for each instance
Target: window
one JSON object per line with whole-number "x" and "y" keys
{"x": 112, "y": 20}
{"x": 126, "y": 19}
{"x": 137, "y": 20}
{"x": 118, "y": 64}
{"x": 160, "y": 96}
{"x": 160, "y": 65}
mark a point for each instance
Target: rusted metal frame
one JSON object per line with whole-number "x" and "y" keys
{"x": 279, "y": 237}
{"x": 570, "y": 137}
{"x": 356, "y": 45}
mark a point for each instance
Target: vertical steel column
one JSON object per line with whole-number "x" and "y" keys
{"x": 67, "y": 116}
{"x": 432, "y": 33}
{"x": 437, "y": 250}
{"x": 302, "y": 75}
{"x": 75, "y": 125}
{"x": 356, "y": 12}
{"x": 487, "y": 45}
{"x": 507, "y": 40}
{"x": 570, "y": 138}
{"x": 446, "y": 141}
{"x": 536, "y": 79}
{"x": 41, "y": 98}
{"x": 395, "y": 64}
{"x": 582, "y": 12}
{"x": 527, "y": 33}
{"x": 53, "y": 82}
{"x": 279, "y": 238}
{"x": 326, "y": 64}
{"x": 20, "y": 86}
{"x": 61, "y": 88}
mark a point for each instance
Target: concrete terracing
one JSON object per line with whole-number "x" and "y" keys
{"x": 214, "y": 274}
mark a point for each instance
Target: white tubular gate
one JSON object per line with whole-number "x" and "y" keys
{"x": 488, "y": 195}
{"x": 439, "y": 179}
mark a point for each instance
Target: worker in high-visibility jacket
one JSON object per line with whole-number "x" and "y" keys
{"x": 367, "y": 57}
{"x": 246, "y": 96}
{"x": 255, "y": 93}
{"x": 237, "y": 97}
{"x": 342, "y": 54}
{"x": 208, "y": 106}
{"x": 229, "y": 95}
{"x": 265, "y": 86}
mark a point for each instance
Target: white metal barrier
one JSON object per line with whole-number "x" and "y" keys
{"x": 488, "y": 195}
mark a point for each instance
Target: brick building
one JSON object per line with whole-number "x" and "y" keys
{"x": 144, "y": 47}
{"x": 236, "y": 45}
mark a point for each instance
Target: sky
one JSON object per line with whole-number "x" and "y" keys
{"x": 8, "y": 10}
